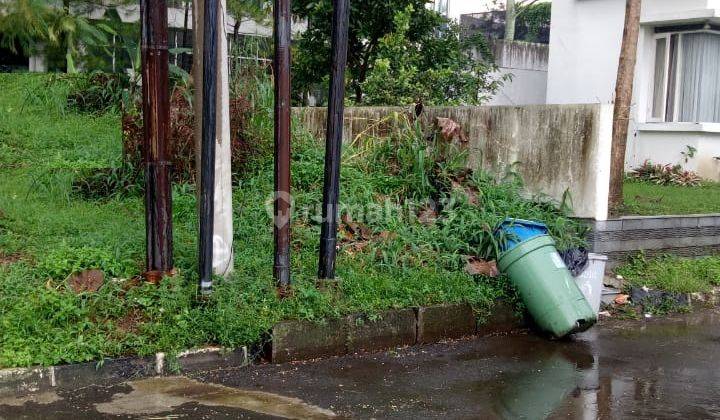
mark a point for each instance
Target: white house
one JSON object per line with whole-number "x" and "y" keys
{"x": 676, "y": 106}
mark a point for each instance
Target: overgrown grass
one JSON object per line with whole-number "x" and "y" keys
{"x": 646, "y": 199}
{"x": 673, "y": 274}
{"x": 47, "y": 232}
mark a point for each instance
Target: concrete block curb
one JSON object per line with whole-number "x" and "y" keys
{"x": 685, "y": 236}
{"x": 392, "y": 329}
{"x": 436, "y": 323}
{"x": 301, "y": 340}
{"x": 19, "y": 381}
{"x": 503, "y": 320}
{"x": 292, "y": 341}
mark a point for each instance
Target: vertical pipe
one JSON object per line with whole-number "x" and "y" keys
{"x": 156, "y": 117}
{"x": 333, "y": 145}
{"x": 281, "y": 212}
{"x": 207, "y": 150}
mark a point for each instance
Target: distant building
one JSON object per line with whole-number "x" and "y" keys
{"x": 492, "y": 25}
{"x": 525, "y": 62}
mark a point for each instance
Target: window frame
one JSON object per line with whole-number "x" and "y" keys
{"x": 667, "y": 35}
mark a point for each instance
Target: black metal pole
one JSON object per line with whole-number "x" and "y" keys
{"x": 333, "y": 145}
{"x": 207, "y": 153}
{"x": 156, "y": 150}
{"x": 281, "y": 212}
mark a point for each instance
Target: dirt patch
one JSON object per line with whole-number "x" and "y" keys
{"x": 130, "y": 323}
{"x": 7, "y": 259}
{"x": 86, "y": 281}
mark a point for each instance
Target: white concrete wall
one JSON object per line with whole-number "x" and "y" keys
{"x": 527, "y": 65}
{"x": 527, "y": 87}
{"x": 585, "y": 37}
{"x": 556, "y": 149}
{"x": 667, "y": 145}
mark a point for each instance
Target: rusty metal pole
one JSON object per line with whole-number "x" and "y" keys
{"x": 281, "y": 211}
{"x": 207, "y": 150}
{"x": 156, "y": 148}
{"x": 333, "y": 145}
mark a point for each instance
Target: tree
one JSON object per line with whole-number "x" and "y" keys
{"x": 244, "y": 10}
{"x": 24, "y": 23}
{"x": 441, "y": 71}
{"x": 623, "y": 101}
{"x": 510, "y": 18}
{"x": 514, "y": 10}
{"x": 375, "y": 32}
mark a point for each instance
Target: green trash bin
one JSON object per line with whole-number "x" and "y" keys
{"x": 546, "y": 286}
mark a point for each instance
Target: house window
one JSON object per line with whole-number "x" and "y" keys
{"x": 686, "y": 81}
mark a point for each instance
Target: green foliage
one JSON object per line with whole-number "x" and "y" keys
{"x": 648, "y": 199}
{"x": 98, "y": 92}
{"x": 672, "y": 274}
{"x": 64, "y": 260}
{"x": 256, "y": 10}
{"x": 440, "y": 71}
{"x": 532, "y": 18}
{"x": 399, "y": 52}
{"x": 31, "y": 23}
{"x": 431, "y": 175}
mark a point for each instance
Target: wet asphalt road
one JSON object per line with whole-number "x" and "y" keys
{"x": 667, "y": 368}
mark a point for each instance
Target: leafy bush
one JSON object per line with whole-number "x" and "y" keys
{"x": 665, "y": 175}
{"x": 98, "y": 92}
{"x": 441, "y": 212}
{"x": 251, "y": 128}
{"x": 64, "y": 260}
{"x": 108, "y": 182}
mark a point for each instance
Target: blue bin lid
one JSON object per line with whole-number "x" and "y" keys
{"x": 517, "y": 231}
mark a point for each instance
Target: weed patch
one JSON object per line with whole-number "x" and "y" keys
{"x": 672, "y": 274}
{"x": 413, "y": 218}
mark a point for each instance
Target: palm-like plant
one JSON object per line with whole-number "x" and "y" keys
{"x": 71, "y": 32}
{"x": 24, "y": 23}
{"x": 31, "y": 23}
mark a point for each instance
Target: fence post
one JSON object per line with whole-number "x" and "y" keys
{"x": 281, "y": 210}
{"x": 333, "y": 145}
{"x": 156, "y": 117}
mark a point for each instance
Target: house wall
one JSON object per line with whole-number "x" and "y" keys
{"x": 668, "y": 145}
{"x": 585, "y": 39}
{"x": 585, "y": 42}
{"x": 557, "y": 149}
{"x": 527, "y": 65}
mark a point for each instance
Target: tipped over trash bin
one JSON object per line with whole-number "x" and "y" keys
{"x": 548, "y": 290}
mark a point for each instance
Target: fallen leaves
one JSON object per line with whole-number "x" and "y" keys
{"x": 357, "y": 236}
{"x": 450, "y": 130}
{"x": 479, "y": 267}
{"x": 622, "y": 299}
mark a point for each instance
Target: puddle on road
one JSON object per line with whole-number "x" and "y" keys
{"x": 42, "y": 398}
{"x": 163, "y": 394}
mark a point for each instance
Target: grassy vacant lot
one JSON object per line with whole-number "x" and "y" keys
{"x": 645, "y": 199}
{"x": 673, "y": 274}
{"x": 395, "y": 259}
